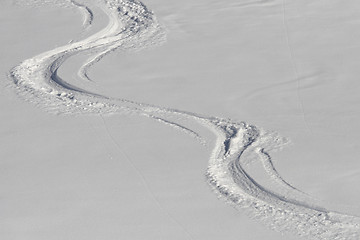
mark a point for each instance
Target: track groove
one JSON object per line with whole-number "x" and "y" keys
{"x": 133, "y": 27}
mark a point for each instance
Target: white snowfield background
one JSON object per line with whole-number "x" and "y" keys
{"x": 159, "y": 119}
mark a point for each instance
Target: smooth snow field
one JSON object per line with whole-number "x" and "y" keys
{"x": 197, "y": 120}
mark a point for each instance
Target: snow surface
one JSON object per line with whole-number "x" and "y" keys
{"x": 126, "y": 145}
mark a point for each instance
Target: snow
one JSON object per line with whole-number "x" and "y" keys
{"x": 226, "y": 83}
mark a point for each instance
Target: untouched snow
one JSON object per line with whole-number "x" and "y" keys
{"x": 107, "y": 172}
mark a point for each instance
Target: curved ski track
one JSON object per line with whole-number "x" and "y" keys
{"x": 132, "y": 27}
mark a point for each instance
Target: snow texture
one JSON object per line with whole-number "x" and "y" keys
{"x": 132, "y": 27}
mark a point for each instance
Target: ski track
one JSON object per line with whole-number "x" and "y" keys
{"x": 88, "y": 14}
{"x": 295, "y": 68}
{"x": 133, "y": 27}
{"x": 145, "y": 182}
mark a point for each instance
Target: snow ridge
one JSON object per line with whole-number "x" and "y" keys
{"x": 88, "y": 14}
{"x": 133, "y": 27}
{"x": 284, "y": 213}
